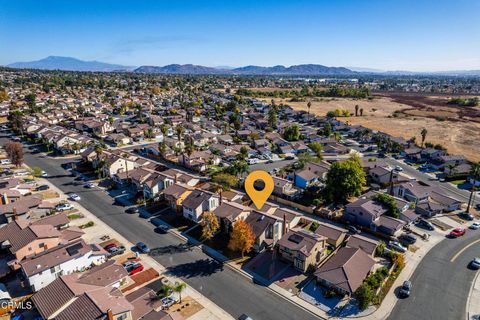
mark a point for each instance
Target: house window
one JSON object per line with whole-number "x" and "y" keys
{"x": 122, "y": 317}
{"x": 41, "y": 245}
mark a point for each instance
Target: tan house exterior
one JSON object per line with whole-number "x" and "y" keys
{"x": 305, "y": 250}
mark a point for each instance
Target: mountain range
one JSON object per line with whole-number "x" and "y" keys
{"x": 73, "y": 64}
{"x": 68, "y": 64}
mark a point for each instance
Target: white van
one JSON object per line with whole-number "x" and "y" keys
{"x": 5, "y": 161}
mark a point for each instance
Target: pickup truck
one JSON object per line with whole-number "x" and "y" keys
{"x": 115, "y": 251}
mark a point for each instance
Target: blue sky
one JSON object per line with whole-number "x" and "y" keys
{"x": 419, "y": 35}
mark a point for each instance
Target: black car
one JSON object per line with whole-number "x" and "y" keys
{"x": 466, "y": 216}
{"x": 405, "y": 289}
{"x": 426, "y": 225}
{"x": 43, "y": 187}
{"x": 132, "y": 210}
{"x": 353, "y": 230}
{"x": 407, "y": 239}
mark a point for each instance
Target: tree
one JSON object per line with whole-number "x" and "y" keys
{"x": 423, "y": 133}
{"x": 305, "y": 157}
{"x": 389, "y": 202}
{"x": 164, "y": 128}
{"x": 239, "y": 167}
{"x": 162, "y": 148}
{"x": 345, "y": 179}
{"x": 317, "y": 148}
{"x": 380, "y": 250}
{"x": 16, "y": 119}
{"x": 179, "y": 287}
{"x": 309, "y": 105}
{"x": 179, "y": 130}
{"x": 292, "y": 133}
{"x": 36, "y": 171}
{"x": 15, "y": 153}
{"x": 242, "y": 237}
{"x": 30, "y": 100}
{"x": 356, "y": 110}
{"x": 364, "y": 295}
{"x": 361, "y": 112}
{"x": 225, "y": 180}
{"x": 475, "y": 175}
{"x": 327, "y": 130}
{"x": 272, "y": 117}
{"x": 243, "y": 155}
{"x": 209, "y": 225}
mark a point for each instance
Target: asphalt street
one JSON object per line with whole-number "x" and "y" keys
{"x": 440, "y": 285}
{"x": 227, "y": 288}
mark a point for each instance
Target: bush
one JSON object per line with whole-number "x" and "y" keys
{"x": 364, "y": 295}
{"x": 87, "y": 225}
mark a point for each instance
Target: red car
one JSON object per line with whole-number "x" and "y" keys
{"x": 457, "y": 232}
{"x": 110, "y": 246}
{"x": 135, "y": 268}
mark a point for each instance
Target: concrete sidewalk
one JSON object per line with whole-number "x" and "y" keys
{"x": 211, "y": 311}
{"x": 473, "y": 303}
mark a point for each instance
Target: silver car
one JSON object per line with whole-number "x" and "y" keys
{"x": 475, "y": 263}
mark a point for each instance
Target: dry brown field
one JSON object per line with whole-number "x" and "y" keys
{"x": 455, "y": 127}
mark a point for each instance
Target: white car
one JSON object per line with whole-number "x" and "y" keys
{"x": 475, "y": 263}
{"x": 475, "y": 226}
{"x": 398, "y": 168}
{"x": 75, "y": 197}
{"x": 64, "y": 207}
{"x": 397, "y": 246}
{"x": 44, "y": 174}
{"x": 5, "y": 161}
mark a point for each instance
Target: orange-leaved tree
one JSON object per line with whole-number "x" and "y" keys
{"x": 242, "y": 237}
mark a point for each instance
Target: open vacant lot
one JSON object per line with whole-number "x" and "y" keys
{"x": 405, "y": 114}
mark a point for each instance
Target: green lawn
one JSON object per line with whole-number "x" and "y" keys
{"x": 458, "y": 182}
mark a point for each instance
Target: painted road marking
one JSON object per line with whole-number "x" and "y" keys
{"x": 465, "y": 248}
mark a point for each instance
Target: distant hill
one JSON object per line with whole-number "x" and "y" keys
{"x": 68, "y": 64}
{"x": 301, "y": 70}
{"x": 179, "y": 69}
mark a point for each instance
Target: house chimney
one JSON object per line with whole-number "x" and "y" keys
{"x": 221, "y": 197}
{"x": 109, "y": 314}
{"x": 284, "y": 224}
{"x": 14, "y": 211}
{"x": 176, "y": 177}
{"x": 4, "y": 198}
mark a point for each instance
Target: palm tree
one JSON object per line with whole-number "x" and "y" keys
{"x": 361, "y": 112}
{"x": 356, "y": 110}
{"x": 125, "y": 157}
{"x": 164, "y": 128}
{"x": 179, "y": 287}
{"x": 309, "y": 104}
{"x": 475, "y": 175}
{"x": 179, "y": 129}
{"x": 423, "y": 133}
{"x": 162, "y": 148}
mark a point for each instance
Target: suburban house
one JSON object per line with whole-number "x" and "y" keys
{"x": 302, "y": 248}
{"x": 229, "y": 212}
{"x": 175, "y": 194}
{"x": 335, "y": 235}
{"x": 311, "y": 174}
{"x": 43, "y": 268}
{"x": 345, "y": 271}
{"x": 284, "y": 188}
{"x": 51, "y": 300}
{"x": 371, "y": 214}
{"x": 267, "y": 229}
{"x": 366, "y": 244}
{"x": 197, "y": 202}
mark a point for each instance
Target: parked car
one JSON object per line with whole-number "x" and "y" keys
{"x": 162, "y": 228}
{"x": 75, "y": 197}
{"x": 405, "y": 289}
{"x": 142, "y": 247}
{"x": 64, "y": 207}
{"x": 475, "y": 263}
{"x": 477, "y": 206}
{"x": 132, "y": 210}
{"x": 89, "y": 185}
{"x": 44, "y": 174}
{"x": 167, "y": 302}
{"x": 397, "y": 246}
{"x": 475, "y": 225}
{"x": 134, "y": 268}
{"x": 5, "y": 161}
{"x": 110, "y": 246}
{"x": 115, "y": 251}
{"x": 289, "y": 158}
{"x": 457, "y": 232}
{"x": 42, "y": 187}
{"x": 425, "y": 224}
{"x": 466, "y": 216}
{"x": 398, "y": 168}
{"x": 407, "y": 239}
{"x": 244, "y": 317}
{"x": 4, "y": 294}
{"x": 352, "y": 229}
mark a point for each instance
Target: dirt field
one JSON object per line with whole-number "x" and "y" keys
{"x": 457, "y": 128}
